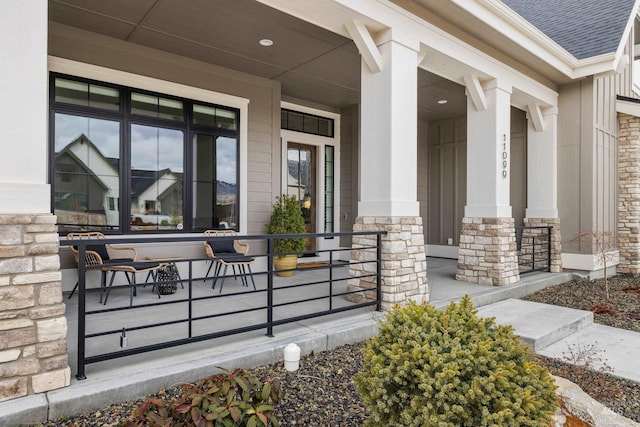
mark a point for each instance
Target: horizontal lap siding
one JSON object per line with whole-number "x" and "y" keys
{"x": 348, "y": 171}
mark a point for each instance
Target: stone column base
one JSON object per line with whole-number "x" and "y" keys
{"x": 488, "y": 252}
{"x": 33, "y": 326}
{"x": 628, "y": 193}
{"x": 540, "y": 236}
{"x": 404, "y": 262}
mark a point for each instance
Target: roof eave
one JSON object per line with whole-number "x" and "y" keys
{"x": 513, "y": 26}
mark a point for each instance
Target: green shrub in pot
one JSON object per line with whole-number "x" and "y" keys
{"x": 286, "y": 218}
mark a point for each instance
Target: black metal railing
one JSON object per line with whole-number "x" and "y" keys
{"x": 534, "y": 248}
{"x": 197, "y": 313}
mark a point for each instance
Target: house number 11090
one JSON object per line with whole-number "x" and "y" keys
{"x": 505, "y": 159}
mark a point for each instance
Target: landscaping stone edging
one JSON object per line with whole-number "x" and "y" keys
{"x": 576, "y": 403}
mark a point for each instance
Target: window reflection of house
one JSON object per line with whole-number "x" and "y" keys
{"x": 86, "y": 186}
{"x": 156, "y": 198}
{"x": 162, "y": 188}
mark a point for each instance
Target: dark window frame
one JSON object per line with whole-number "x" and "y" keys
{"x": 126, "y": 119}
{"x": 284, "y": 113}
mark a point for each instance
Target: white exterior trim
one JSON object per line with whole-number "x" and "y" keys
{"x": 588, "y": 262}
{"x": 320, "y": 142}
{"x": 628, "y": 107}
{"x": 504, "y": 20}
{"x": 80, "y": 69}
{"x": 446, "y": 55}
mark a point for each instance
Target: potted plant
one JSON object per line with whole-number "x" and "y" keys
{"x": 286, "y": 218}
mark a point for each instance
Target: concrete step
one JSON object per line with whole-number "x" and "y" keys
{"x": 604, "y": 347}
{"x": 538, "y": 325}
{"x": 445, "y": 289}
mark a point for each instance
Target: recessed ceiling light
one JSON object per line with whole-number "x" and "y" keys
{"x": 266, "y": 42}
{"x": 442, "y": 101}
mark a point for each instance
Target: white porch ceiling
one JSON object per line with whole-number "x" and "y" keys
{"x": 311, "y": 63}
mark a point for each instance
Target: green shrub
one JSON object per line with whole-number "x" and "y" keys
{"x": 286, "y": 218}
{"x": 429, "y": 367}
{"x": 232, "y": 398}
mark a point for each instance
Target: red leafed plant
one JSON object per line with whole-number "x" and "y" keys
{"x": 230, "y": 398}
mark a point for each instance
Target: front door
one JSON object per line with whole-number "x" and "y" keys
{"x": 301, "y": 182}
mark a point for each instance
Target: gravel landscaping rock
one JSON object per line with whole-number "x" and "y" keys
{"x": 322, "y": 391}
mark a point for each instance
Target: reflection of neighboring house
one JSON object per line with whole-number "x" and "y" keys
{"x": 155, "y": 196}
{"x": 89, "y": 184}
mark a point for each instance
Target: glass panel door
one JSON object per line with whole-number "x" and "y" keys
{"x": 301, "y": 182}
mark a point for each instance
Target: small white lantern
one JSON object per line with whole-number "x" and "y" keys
{"x": 291, "y": 357}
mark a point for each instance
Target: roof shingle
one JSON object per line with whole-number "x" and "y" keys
{"x": 585, "y": 28}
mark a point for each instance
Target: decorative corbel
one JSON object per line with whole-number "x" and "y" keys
{"x": 475, "y": 91}
{"x": 365, "y": 44}
{"x": 535, "y": 114}
{"x": 422, "y": 55}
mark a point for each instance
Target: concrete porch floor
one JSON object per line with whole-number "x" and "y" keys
{"x": 443, "y": 289}
{"x": 133, "y": 376}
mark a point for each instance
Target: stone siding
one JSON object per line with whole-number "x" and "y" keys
{"x": 33, "y": 326}
{"x": 540, "y": 237}
{"x": 488, "y": 253}
{"x": 404, "y": 263}
{"x": 629, "y": 193}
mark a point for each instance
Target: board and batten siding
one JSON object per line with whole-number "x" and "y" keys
{"x": 587, "y": 159}
{"x": 442, "y": 175}
{"x": 606, "y": 141}
{"x": 447, "y": 176}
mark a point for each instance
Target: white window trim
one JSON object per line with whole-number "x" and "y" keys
{"x": 123, "y": 78}
{"x": 320, "y": 142}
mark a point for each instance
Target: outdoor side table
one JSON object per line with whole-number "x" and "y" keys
{"x": 171, "y": 269}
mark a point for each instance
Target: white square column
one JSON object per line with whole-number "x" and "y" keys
{"x": 388, "y": 180}
{"x": 487, "y": 253}
{"x": 32, "y": 305}
{"x": 23, "y": 112}
{"x": 388, "y": 146}
{"x": 542, "y": 185}
{"x": 542, "y": 166}
{"x": 488, "y": 154}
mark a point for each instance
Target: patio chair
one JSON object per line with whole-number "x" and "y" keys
{"x": 224, "y": 250}
{"x": 97, "y": 257}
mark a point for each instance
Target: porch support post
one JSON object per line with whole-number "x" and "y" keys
{"x": 628, "y": 193}
{"x": 388, "y": 178}
{"x": 542, "y": 179}
{"x": 487, "y": 240}
{"x": 33, "y": 327}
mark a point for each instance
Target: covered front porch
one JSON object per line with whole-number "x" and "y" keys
{"x": 298, "y": 305}
{"x": 169, "y": 118}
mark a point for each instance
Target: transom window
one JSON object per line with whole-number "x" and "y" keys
{"x": 306, "y": 123}
{"x": 126, "y": 160}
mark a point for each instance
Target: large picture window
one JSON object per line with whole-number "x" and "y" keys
{"x": 125, "y": 160}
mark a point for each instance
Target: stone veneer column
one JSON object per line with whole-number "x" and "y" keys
{"x": 33, "y": 326}
{"x": 404, "y": 263}
{"x": 629, "y": 193}
{"x": 556, "y": 247}
{"x": 488, "y": 252}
